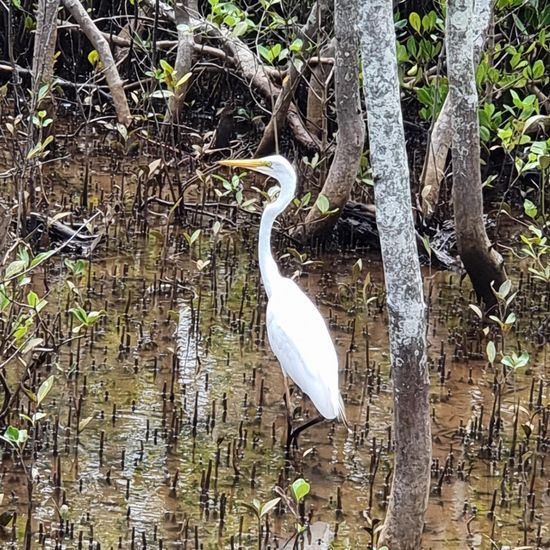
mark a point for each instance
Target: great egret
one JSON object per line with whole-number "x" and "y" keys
{"x": 297, "y": 333}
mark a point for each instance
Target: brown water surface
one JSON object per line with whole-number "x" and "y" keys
{"x": 187, "y": 419}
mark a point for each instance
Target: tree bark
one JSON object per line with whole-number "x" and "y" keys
{"x": 435, "y": 161}
{"x": 44, "y": 47}
{"x": 98, "y": 41}
{"x": 317, "y": 92}
{"x": 290, "y": 83}
{"x": 407, "y": 312}
{"x": 483, "y": 264}
{"x": 5, "y": 222}
{"x": 184, "y": 55}
{"x": 351, "y": 128}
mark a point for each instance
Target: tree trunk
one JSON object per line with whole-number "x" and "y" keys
{"x": 99, "y": 42}
{"x": 407, "y": 312}
{"x": 44, "y": 49}
{"x": 317, "y": 92}
{"x": 483, "y": 264}
{"x": 433, "y": 171}
{"x": 184, "y": 55}
{"x": 5, "y": 222}
{"x": 351, "y": 128}
{"x": 290, "y": 83}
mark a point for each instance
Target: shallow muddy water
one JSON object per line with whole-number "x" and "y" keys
{"x": 169, "y": 415}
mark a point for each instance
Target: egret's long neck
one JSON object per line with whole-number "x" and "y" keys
{"x": 268, "y": 267}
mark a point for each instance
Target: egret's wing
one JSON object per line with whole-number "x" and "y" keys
{"x": 300, "y": 339}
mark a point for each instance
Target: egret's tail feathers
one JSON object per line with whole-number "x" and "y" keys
{"x": 342, "y": 413}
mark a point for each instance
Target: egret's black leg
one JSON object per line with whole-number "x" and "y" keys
{"x": 292, "y": 437}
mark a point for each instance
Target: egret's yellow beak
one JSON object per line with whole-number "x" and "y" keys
{"x": 252, "y": 164}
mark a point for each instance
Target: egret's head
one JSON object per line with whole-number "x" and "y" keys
{"x": 275, "y": 166}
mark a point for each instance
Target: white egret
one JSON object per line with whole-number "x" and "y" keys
{"x": 297, "y": 332}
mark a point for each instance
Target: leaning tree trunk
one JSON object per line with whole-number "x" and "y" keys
{"x": 99, "y": 42}
{"x": 483, "y": 264}
{"x": 435, "y": 162}
{"x": 351, "y": 128}
{"x": 407, "y": 312}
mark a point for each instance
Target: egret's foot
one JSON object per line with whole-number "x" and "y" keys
{"x": 292, "y": 434}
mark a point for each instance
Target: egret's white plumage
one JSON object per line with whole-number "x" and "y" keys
{"x": 297, "y": 332}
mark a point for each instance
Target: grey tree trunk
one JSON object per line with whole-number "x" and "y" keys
{"x": 407, "y": 312}
{"x": 435, "y": 162}
{"x": 44, "y": 45}
{"x": 351, "y": 128}
{"x": 483, "y": 264}
{"x": 184, "y": 11}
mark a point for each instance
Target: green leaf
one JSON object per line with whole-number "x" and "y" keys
{"x": 43, "y": 256}
{"x": 93, "y": 57}
{"x": 31, "y": 344}
{"x": 161, "y": 94}
{"x": 29, "y": 23}
{"x": 79, "y": 314}
{"x": 538, "y": 69}
{"x": 476, "y": 310}
{"x": 37, "y": 416}
{"x": 93, "y": 316}
{"x": 14, "y": 268}
{"x": 195, "y": 235}
{"x": 484, "y": 134}
{"x": 166, "y": 67}
{"x": 276, "y": 50}
{"x": 296, "y": 45}
{"x": 265, "y": 53}
{"x": 504, "y": 288}
{"x": 491, "y": 351}
{"x": 25, "y": 417}
{"x": 511, "y": 319}
{"x": 530, "y": 209}
{"x": 32, "y": 298}
{"x": 427, "y": 246}
{"x": 268, "y": 506}
{"x": 240, "y": 29}
{"x": 43, "y": 92}
{"x": 44, "y": 389}
{"x": 183, "y": 79}
{"x": 300, "y": 489}
{"x": 15, "y": 436}
{"x": 322, "y": 204}
{"x": 11, "y": 434}
{"x": 414, "y": 20}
